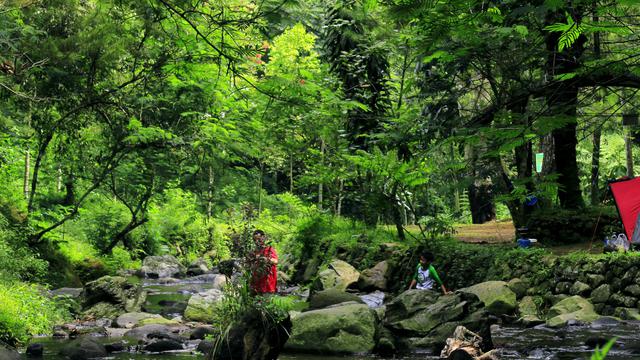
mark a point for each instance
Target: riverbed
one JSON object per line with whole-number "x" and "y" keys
{"x": 571, "y": 342}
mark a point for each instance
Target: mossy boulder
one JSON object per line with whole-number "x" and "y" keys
{"x": 444, "y": 309}
{"x": 374, "y": 278}
{"x": 198, "y": 267}
{"x": 342, "y": 329}
{"x": 158, "y": 321}
{"x": 202, "y": 306}
{"x": 408, "y": 303}
{"x": 574, "y": 308}
{"x": 339, "y": 275}
{"x": 580, "y": 288}
{"x": 103, "y": 310}
{"x": 83, "y": 348}
{"x": 329, "y": 297}
{"x": 161, "y": 267}
{"x": 133, "y": 319}
{"x": 497, "y": 297}
{"x": 111, "y": 296}
{"x": 518, "y": 286}
{"x": 528, "y": 311}
{"x": 627, "y": 313}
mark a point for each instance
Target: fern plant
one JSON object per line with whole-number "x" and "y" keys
{"x": 571, "y": 31}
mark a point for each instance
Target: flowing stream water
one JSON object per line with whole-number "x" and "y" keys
{"x": 572, "y": 342}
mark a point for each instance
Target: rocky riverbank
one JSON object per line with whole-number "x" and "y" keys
{"x": 346, "y": 312}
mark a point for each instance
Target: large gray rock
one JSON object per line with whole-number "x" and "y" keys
{"x": 422, "y": 319}
{"x": 574, "y": 308}
{"x": 601, "y": 294}
{"x": 528, "y": 311}
{"x": 329, "y": 297}
{"x": 518, "y": 286}
{"x": 202, "y": 306}
{"x": 198, "y": 267}
{"x": 163, "y": 345}
{"x": 147, "y": 332}
{"x": 580, "y": 288}
{"x": 6, "y": 354}
{"x": 161, "y": 267}
{"x": 70, "y": 292}
{"x": 110, "y": 296}
{"x": 339, "y": 275}
{"x": 445, "y": 308}
{"x": 408, "y": 303}
{"x": 342, "y": 329}
{"x": 219, "y": 281}
{"x": 496, "y": 296}
{"x": 375, "y": 278}
{"x": 82, "y": 349}
{"x": 478, "y": 320}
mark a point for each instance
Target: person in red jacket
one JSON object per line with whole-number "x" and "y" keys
{"x": 264, "y": 272}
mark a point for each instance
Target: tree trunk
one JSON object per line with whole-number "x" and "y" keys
{"x": 59, "y": 179}
{"x": 565, "y": 140}
{"x": 70, "y": 196}
{"x": 562, "y": 102}
{"x": 339, "y": 200}
{"x": 524, "y": 166}
{"x": 481, "y": 201}
{"x": 291, "y": 173}
{"x": 210, "y": 194}
{"x": 27, "y": 163}
{"x": 27, "y": 170}
{"x": 595, "y": 167}
{"x": 396, "y": 214}
{"x": 597, "y": 132}
{"x": 320, "y": 188}
{"x": 42, "y": 150}
{"x": 629, "y": 152}
{"x": 121, "y": 235}
{"x": 260, "y": 189}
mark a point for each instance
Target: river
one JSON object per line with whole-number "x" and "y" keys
{"x": 572, "y": 342}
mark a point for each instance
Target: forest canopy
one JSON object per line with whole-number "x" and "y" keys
{"x": 133, "y": 128}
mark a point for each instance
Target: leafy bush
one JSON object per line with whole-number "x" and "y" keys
{"x": 120, "y": 259}
{"x": 175, "y": 224}
{"x": 99, "y": 220}
{"x": 572, "y": 226}
{"x": 320, "y": 237}
{"x": 24, "y": 312}
{"x": 16, "y": 260}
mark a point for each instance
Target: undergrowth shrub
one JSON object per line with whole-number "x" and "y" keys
{"x": 563, "y": 226}
{"x": 25, "y": 312}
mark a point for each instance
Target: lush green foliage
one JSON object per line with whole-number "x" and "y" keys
{"x": 25, "y": 311}
{"x": 135, "y": 128}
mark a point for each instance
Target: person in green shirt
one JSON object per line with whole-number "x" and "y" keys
{"x": 426, "y": 275}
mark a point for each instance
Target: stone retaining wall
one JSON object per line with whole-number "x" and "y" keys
{"x": 611, "y": 282}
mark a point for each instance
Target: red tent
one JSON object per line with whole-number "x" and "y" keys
{"x": 627, "y": 196}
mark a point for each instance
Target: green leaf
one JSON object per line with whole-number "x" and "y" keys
{"x": 522, "y": 30}
{"x": 566, "y": 76}
{"x": 439, "y": 54}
